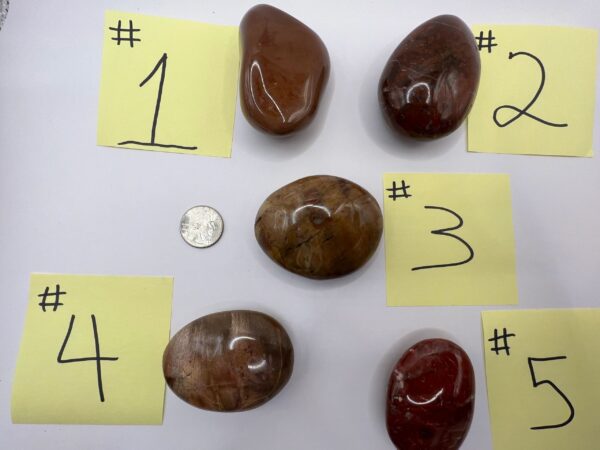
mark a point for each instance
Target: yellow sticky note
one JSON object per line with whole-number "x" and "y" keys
{"x": 537, "y": 90}
{"x": 542, "y": 376}
{"x": 448, "y": 239}
{"x": 168, "y": 85}
{"x": 91, "y": 351}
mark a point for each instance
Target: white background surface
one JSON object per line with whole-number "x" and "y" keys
{"x": 68, "y": 206}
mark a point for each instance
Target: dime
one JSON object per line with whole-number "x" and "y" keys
{"x": 201, "y": 226}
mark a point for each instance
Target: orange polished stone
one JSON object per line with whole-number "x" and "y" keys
{"x": 429, "y": 83}
{"x": 431, "y": 397}
{"x": 284, "y": 69}
{"x": 320, "y": 226}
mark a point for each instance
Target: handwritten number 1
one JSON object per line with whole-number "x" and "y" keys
{"x": 445, "y": 232}
{"x": 96, "y": 358}
{"x": 537, "y": 383}
{"x": 162, "y": 65}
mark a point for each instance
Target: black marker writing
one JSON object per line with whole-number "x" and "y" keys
{"x": 489, "y": 39}
{"x": 162, "y": 65}
{"x": 524, "y": 111}
{"x": 119, "y": 29}
{"x": 56, "y": 294}
{"x": 96, "y": 358}
{"x": 496, "y": 339}
{"x": 444, "y": 232}
{"x": 394, "y": 191}
{"x": 537, "y": 383}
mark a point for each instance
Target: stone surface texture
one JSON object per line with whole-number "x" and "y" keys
{"x": 429, "y": 83}
{"x": 431, "y": 396}
{"x": 229, "y": 361}
{"x": 284, "y": 70}
{"x": 319, "y": 226}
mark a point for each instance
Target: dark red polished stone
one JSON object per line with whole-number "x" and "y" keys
{"x": 429, "y": 83}
{"x": 431, "y": 396}
{"x": 284, "y": 69}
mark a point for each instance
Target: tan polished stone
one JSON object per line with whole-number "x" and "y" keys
{"x": 284, "y": 70}
{"x": 229, "y": 361}
{"x": 319, "y": 226}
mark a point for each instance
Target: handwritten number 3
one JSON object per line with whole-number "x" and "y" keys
{"x": 445, "y": 232}
{"x": 537, "y": 383}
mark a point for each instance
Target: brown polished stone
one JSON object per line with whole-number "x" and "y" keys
{"x": 431, "y": 396}
{"x": 429, "y": 83}
{"x": 284, "y": 69}
{"x": 229, "y": 361}
{"x": 320, "y": 226}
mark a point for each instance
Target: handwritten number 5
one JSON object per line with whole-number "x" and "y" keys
{"x": 445, "y": 232}
{"x": 537, "y": 383}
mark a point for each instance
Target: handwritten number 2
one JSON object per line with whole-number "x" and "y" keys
{"x": 537, "y": 383}
{"x": 445, "y": 232}
{"x": 524, "y": 111}
{"x": 96, "y": 358}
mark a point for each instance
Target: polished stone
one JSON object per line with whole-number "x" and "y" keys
{"x": 431, "y": 396}
{"x": 429, "y": 83}
{"x": 229, "y": 361}
{"x": 319, "y": 226}
{"x": 284, "y": 70}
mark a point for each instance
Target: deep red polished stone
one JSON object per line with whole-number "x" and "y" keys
{"x": 431, "y": 396}
{"x": 429, "y": 83}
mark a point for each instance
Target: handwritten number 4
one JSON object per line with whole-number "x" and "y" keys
{"x": 537, "y": 383}
{"x": 445, "y": 232}
{"x": 96, "y": 358}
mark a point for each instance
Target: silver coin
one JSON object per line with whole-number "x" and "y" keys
{"x": 3, "y": 11}
{"x": 201, "y": 226}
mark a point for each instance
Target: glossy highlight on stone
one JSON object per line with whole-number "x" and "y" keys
{"x": 229, "y": 361}
{"x": 431, "y": 396}
{"x": 319, "y": 226}
{"x": 429, "y": 83}
{"x": 284, "y": 70}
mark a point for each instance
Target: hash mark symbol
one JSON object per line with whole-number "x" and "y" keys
{"x": 394, "y": 189}
{"x": 56, "y": 294}
{"x": 481, "y": 38}
{"x": 504, "y": 336}
{"x": 129, "y": 30}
